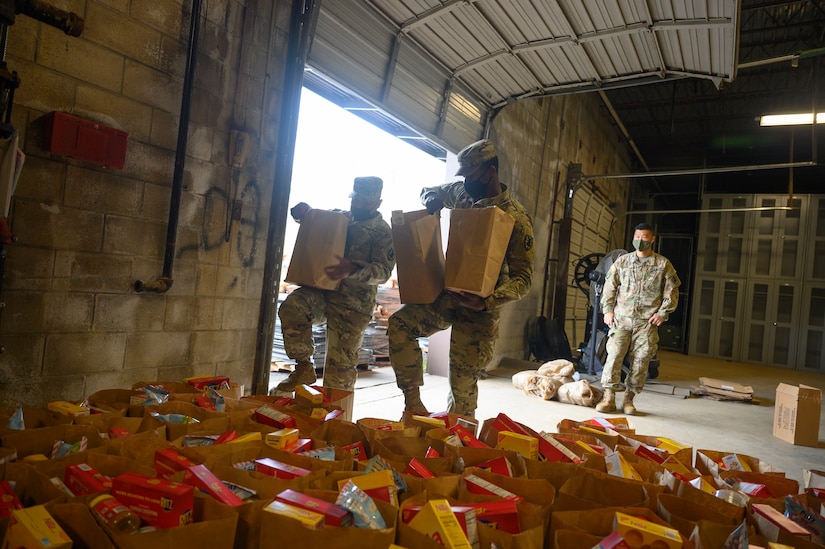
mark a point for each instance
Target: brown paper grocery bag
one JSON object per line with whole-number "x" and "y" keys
{"x": 419, "y": 257}
{"x": 213, "y": 525}
{"x": 77, "y": 521}
{"x": 590, "y": 489}
{"x": 322, "y": 236}
{"x": 42, "y": 440}
{"x": 475, "y": 249}
{"x": 279, "y": 531}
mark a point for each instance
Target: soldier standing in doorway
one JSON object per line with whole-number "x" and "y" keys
{"x": 368, "y": 261}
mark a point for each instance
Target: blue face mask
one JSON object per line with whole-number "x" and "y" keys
{"x": 641, "y": 245}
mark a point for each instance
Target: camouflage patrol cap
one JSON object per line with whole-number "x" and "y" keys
{"x": 368, "y": 188}
{"x": 474, "y": 155}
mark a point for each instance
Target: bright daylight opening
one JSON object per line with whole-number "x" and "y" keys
{"x": 334, "y": 146}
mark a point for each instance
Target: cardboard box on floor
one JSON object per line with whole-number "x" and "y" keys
{"x": 796, "y": 414}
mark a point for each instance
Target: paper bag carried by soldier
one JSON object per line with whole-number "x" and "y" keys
{"x": 321, "y": 237}
{"x": 475, "y": 249}
{"x": 416, "y": 237}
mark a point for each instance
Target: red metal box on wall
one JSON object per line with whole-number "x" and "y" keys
{"x": 83, "y": 139}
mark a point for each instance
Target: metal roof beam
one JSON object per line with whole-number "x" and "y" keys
{"x": 433, "y": 13}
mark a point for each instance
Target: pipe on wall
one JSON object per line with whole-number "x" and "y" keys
{"x": 164, "y": 283}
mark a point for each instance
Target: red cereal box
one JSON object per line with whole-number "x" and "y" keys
{"x": 432, "y": 453}
{"x": 299, "y": 446}
{"x": 477, "y": 485}
{"x": 501, "y": 514}
{"x": 334, "y": 515}
{"x": 498, "y": 465}
{"x": 418, "y": 469}
{"x": 169, "y": 461}
{"x": 466, "y": 437}
{"x": 159, "y": 502}
{"x": 270, "y": 416}
{"x": 206, "y": 382}
{"x": 83, "y": 479}
{"x": 119, "y": 432}
{"x": 279, "y": 469}
{"x": 202, "y": 478}
{"x": 8, "y": 499}
{"x": 357, "y": 450}
{"x": 502, "y": 422}
{"x": 334, "y": 414}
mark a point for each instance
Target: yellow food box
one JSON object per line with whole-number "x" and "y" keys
{"x": 438, "y": 522}
{"x": 587, "y": 448}
{"x": 309, "y": 393}
{"x": 618, "y": 466}
{"x": 33, "y": 527}
{"x": 318, "y": 413}
{"x": 453, "y": 440}
{"x": 638, "y": 532}
{"x": 675, "y": 466}
{"x": 703, "y": 485}
{"x": 281, "y": 438}
{"x": 434, "y": 421}
{"x": 375, "y": 481}
{"x": 310, "y": 519}
{"x": 525, "y": 445}
{"x": 254, "y": 436}
{"x": 65, "y": 408}
{"x": 669, "y": 445}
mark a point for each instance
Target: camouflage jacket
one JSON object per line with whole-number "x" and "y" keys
{"x": 516, "y": 273}
{"x": 637, "y": 288}
{"x": 369, "y": 246}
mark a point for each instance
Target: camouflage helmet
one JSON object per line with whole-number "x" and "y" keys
{"x": 474, "y": 155}
{"x": 367, "y": 188}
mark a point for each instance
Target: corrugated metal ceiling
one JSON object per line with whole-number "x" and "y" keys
{"x": 507, "y": 49}
{"x": 444, "y": 67}
{"x": 687, "y": 78}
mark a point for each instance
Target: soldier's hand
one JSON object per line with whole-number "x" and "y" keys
{"x": 433, "y": 203}
{"x": 608, "y": 319}
{"x": 656, "y": 320}
{"x": 470, "y": 301}
{"x": 299, "y": 210}
{"x": 342, "y": 270}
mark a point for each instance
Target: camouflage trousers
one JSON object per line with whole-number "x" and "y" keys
{"x": 471, "y": 347}
{"x": 306, "y": 307}
{"x": 643, "y": 342}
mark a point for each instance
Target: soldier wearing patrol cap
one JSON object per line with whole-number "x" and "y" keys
{"x": 474, "y": 319}
{"x": 368, "y": 261}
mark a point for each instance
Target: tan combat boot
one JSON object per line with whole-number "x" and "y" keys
{"x": 412, "y": 402}
{"x": 608, "y": 403}
{"x": 304, "y": 374}
{"x": 627, "y": 403}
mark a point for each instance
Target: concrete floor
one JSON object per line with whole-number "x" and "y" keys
{"x": 702, "y": 423}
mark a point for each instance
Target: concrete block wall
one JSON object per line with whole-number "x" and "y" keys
{"x": 538, "y": 139}
{"x": 73, "y": 323}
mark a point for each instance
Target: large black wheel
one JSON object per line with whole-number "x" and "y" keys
{"x": 582, "y": 269}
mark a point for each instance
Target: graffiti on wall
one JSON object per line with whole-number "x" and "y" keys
{"x": 224, "y": 216}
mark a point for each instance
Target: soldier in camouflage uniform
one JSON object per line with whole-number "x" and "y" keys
{"x": 368, "y": 261}
{"x": 641, "y": 289}
{"x": 474, "y": 319}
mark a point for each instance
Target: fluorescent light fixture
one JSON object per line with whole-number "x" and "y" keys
{"x": 791, "y": 119}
